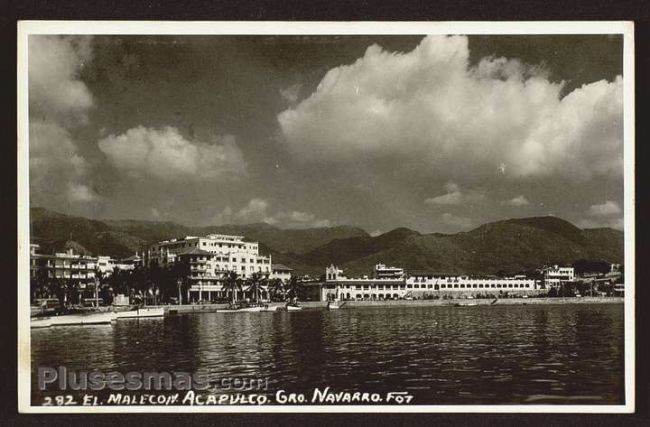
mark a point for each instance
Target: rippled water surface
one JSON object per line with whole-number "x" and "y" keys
{"x": 570, "y": 354}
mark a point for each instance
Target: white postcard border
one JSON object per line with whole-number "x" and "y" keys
{"x": 26, "y": 28}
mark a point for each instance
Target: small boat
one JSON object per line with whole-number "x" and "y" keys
{"x": 334, "y": 305}
{"x": 244, "y": 308}
{"x": 293, "y": 307}
{"x": 141, "y": 312}
{"x": 73, "y": 319}
{"x": 41, "y": 322}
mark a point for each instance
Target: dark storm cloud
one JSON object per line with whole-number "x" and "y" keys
{"x": 437, "y": 134}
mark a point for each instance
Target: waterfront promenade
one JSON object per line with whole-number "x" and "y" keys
{"x": 206, "y": 308}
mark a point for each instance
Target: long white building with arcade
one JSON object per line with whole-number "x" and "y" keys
{"x": 395, "y": 283}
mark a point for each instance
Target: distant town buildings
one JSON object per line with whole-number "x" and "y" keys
{"x": 107, "y": 265}
{"x": 209, "y": 260}
{"x": 75, "y": 269}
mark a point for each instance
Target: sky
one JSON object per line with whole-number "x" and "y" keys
{"x": 433, "y": 133}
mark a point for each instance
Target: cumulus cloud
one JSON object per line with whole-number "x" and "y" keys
{"x": 258, "y": 210}
{"x": 607, "y": 214}
{"x": 430, "y": 107}
{"x": 518, "y": 201}
{"x": 255, "y": 209}
{"x": 55, "y": 89}
{"x": 454, "y": 196}
{"x": 611, "y": 222}
{"x": 164, "y": 154}
{"x": 291, "y": 93}
{"x": 59, "y": 102}
{"x": 605, "y": 209}
{"x": 456, "y": 221}
{"x": 296, "y": 219}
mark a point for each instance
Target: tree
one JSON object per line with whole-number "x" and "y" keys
{"x": 40, "y": 284}
{"x": 179, "y": 273}
{"x": 294, "y": 289}
{"x": 232, "y": 284}
{"x": 582, "y": 266}
{"x": 254, "y": 287}
{"x": 99, "y": 279}
{"x": 277, "y": 289}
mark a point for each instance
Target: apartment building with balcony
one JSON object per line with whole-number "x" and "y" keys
{"x": 68, "y": 265}
{"x": 210, "y": 259}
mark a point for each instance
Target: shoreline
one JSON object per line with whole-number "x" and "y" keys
{"x": 310, "y": 305}
{"x": 322, "y": 305}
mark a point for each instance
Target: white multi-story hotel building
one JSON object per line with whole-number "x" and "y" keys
{"x": 418, "y": 285}
{"x": 554, "y": 276}
{"x": 211, "y": 258}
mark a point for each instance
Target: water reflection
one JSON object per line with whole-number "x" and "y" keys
{"x": 443, "y": 355}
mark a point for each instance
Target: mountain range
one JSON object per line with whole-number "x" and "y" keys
{"x": 506, "y": 246}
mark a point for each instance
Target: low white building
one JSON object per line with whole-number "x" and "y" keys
{"x": 421, "y": 281}
{"x": 282, "y": 272}
{"x": 420, "y": 284}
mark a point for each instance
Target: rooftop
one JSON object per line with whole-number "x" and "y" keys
{"x": 281, "y": 267}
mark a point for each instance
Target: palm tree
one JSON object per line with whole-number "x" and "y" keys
{"x": 231, "y": 284}
{"x": 99, "y": 277}
{"x": 254, "y": 286}
{"x": 295, "y": 288}
{"x": 40, "y": 284}
{"x": 276, "y": 288}
{"x": 180, "y": 274}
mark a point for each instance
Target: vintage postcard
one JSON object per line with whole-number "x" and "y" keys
{"x": 326, "y": 217}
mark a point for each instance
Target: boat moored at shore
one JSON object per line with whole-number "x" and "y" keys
{"x": 73, "y": 319}
{"x": 141, "y": 312}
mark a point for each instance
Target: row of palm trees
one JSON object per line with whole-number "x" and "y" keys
{"x": 233, "y": 286}
{"x": 154, "y": 284}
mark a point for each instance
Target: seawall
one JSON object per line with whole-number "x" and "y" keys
{"x": 207, "y": 308}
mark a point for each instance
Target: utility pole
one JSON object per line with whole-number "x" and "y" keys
{"x": 97, "y": 290}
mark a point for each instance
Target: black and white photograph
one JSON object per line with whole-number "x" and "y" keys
{"x": 333, "y": 217}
